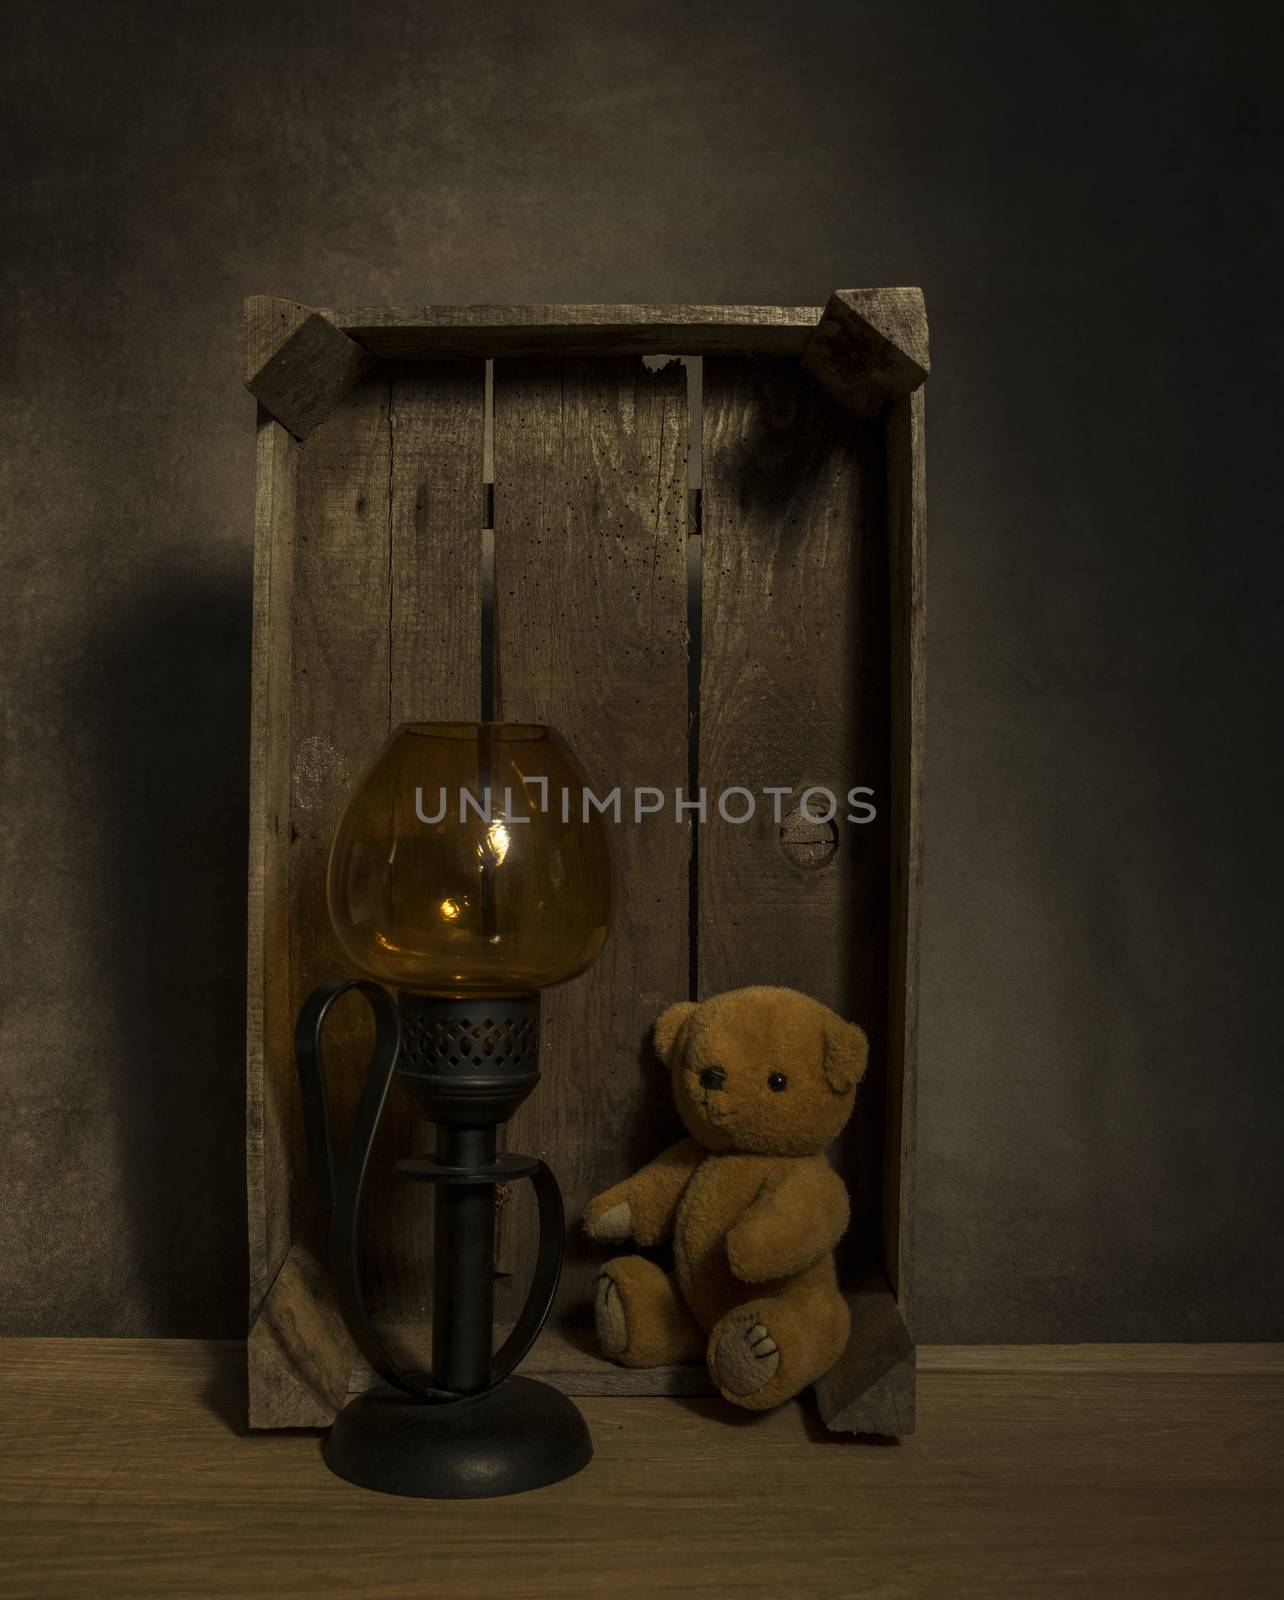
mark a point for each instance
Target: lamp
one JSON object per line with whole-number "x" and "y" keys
{"x": 467, "y": 875}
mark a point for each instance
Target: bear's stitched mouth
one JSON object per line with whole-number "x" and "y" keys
{"x": 714, "y": 1116}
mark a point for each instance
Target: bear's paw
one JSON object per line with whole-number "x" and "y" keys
{"x": 611, "y": 1225}
{"x": 745, "y": 1358}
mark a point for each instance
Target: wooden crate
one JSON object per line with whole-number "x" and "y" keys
{"x": 760, "y": 626}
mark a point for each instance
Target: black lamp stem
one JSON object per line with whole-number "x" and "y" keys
{"x": 463, "y": 1266}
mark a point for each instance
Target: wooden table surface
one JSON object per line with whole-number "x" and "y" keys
{"x": 1092, "y": 1470}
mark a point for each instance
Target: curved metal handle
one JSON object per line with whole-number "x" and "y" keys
{"x": 342, "y": 1194}
{"x": 548, "y": 1272}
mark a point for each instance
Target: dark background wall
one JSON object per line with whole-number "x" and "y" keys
{"x": 1089, "y": 196}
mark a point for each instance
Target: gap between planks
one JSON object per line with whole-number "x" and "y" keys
{"x": 1209, "y": 1360}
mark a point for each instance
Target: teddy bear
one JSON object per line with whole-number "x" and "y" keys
{"x": 764, "y": 1079}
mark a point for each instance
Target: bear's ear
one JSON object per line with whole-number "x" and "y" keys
{"x": 666, "y": 1028}
{"x": 846, "y": 1054}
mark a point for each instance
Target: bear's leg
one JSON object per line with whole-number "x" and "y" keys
{"x": 642, "y": 1320}
{"x": 767, "y": 1350}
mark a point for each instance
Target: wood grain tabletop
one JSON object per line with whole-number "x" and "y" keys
{"x": 1087, "y": 1470}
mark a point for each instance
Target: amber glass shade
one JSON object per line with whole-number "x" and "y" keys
{"x": 429, "y": 893}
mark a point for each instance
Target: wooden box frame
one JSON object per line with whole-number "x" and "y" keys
{"x": 366, "y": 502}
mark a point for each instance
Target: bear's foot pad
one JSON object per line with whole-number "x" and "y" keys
{"x": 746, "y": 1358}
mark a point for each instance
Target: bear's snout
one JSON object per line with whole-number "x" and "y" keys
{"x": 712, "y": 1077}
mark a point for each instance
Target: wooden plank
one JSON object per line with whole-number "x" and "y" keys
{"x": 449, "y": 332}
{"x": 1060, "y": 1484}
{"x": 566, "y": 1355}
{"x": 871, "y": 1388}
{"x": 870, "y": 347}
{"x": 386, "y": 628}
{"x": 298, "y": 1353}
{"x": 298, "y": 365}
{"x": 269, "y": 1094}
{"x": 878, "y": 1380}
{"x": 338, "y": 719}
{"x": 907, "y": 548}
{"x": 433, "y": 605}
{"x": 590, "y": 631}
{"x": 793, "y": 693}
{"x": 438, "y": 428}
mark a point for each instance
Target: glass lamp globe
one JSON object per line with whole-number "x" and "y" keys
{"x": 464, "y": 864}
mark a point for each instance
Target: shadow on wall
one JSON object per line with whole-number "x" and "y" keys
{"x": 170, "y": 681}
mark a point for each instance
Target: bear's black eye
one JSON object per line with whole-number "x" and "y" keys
{"x": 776, "y": 1081}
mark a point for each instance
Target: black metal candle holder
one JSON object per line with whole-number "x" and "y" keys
{"x": 468, "y": 1428}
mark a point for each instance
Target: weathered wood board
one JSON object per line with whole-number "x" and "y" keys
{"x": 794, "y": 695}
{"x": 383, "y": 558}
{"x": 590, "y": 637}
{"x": 269, "y": 1093}
{"x": 907, "y": 546}
{"x": 369, "y": 592}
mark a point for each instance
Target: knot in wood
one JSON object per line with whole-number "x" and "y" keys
{"x": 808, "y": 843}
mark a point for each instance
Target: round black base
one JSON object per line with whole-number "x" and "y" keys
{"x": 519, "y": 1435}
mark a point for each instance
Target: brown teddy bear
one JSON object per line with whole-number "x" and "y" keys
{"x": 764, "y": 1079}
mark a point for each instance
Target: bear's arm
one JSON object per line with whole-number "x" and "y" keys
{"x": 796, "y": 1218}
{"x": 644, "y": 1206}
